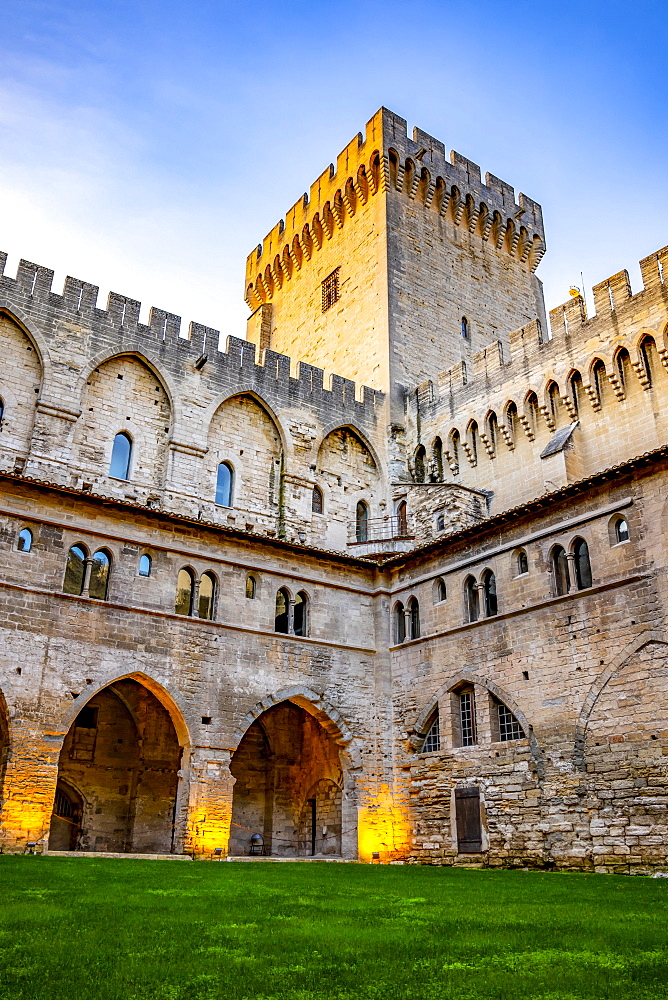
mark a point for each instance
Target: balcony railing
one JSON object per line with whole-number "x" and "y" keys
{"x": 378, "y": 529}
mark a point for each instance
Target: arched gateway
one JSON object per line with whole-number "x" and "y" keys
{"x": 118, "y": 775}
{"x": 293, "y": 785}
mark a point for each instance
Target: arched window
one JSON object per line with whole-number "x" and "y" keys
{"x": 207, "y": 596}
{"x": 465, "y": 328}
{"x": 145, "y": 565}
{"x": 281, "y": 619}
{"x": 489, "y": 592}
{"x": 440, "y": 592}
{"x": 361, "y": 522}
{"x": 300, "y": 619}
{"x": 623, "y": 365}
{"x": 251, "y": 587}
{"x": 473, "y": 441}
{"x": 440, "y": 522}
{"x": 511, "y": 420}
{"x": 224, "y": 485}
{"x": 438, "y": 459}
{"x": 562, "y": 577}
{"x": 414, "y": 609}
{"x": 471, "y": 605}
{"x": 399, "y": 623}
{"x": 121, "y": 453}
{"x": 492, "y": 430}
{"x": 522, "y": 563}
{"x": 185, "y": 589}
{"x": 649, "y": 359}
{"x": 317, "y": 500}
{"x": 75, "y": 570}
{"x": 575, "y": 383}
{"x": 24, "y": 543}
{"x": 454, "y": 449}
{"x": 2, "y": 412}
{"x": 599, "y": 379}
{"x": 621, "y": 532}
{"x": 582, "y": 564}
{"x": 531, "y": 411}
{"x": 554, "y": 402}
{"x": 420, "y": 456}
{"x": 432, "y": 741}
{"x": 99, "y": 575}
{"x": 402, "y": 518}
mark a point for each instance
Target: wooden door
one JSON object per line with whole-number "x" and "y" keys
{"x": 469, "y": 828}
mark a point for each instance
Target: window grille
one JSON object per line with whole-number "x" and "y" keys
{"x": 330, "y": 290}
{"x": 316, "y": 500}
{"x": 432, "y": 741}
{"x": 467, "y": 718}
{"x": 63, "y": 807}
{"x": 509, "y": 727}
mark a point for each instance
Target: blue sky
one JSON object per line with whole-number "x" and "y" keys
{"x": 147, "y": 147}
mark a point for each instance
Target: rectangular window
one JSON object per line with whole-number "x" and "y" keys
{"x": 509, "y": 727}
{"x": 330, "y": 290}
{"x": 467, "y": 718}
{"x": 469, "y": 826}
{"x": 84, "y": 735}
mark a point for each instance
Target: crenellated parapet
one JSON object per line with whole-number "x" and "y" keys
{"x": 585, "y": 388}
{"x": 97, "y": 331}
{"x": 385, "y": 160}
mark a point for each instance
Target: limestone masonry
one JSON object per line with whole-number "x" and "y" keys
{"x": 386, "y": 580}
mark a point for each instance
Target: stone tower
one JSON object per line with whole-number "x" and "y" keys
{"x": 397, "y": 264}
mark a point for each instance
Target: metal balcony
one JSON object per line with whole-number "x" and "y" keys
{"x": 381, "y": 536}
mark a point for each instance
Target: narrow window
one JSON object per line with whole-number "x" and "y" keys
{"x": 99, "y": 575}
{"x": 562, "y": 577}
{"x": 467, "y": 722}
{"x": 621, "y": 530}
{"x": 473, "y": 441}
{"x": 432, "y": 741}
{"x": 522, "y": 563}
{"x": 2, "y": 412}
{"x": 121, "y": 454}
{"x": 207, "y": 596}
{"x": 145, "y": 565}
{"x": 75, "y": 570}
{"x": 469, "y": 826}
{"x": 576, "y": 390}
{"x": 251, "y": 587}
{"x": 440, "y": 522}
{"x": 282, "y": 611}
{"x": 511, "y": 420}
{"x": 440, "y": 592}
{"x": 623, "y": 362}
{"x": 185, "y": 586}
{"x": 647, "y": 349}
{"x": 438, "y": 459}
{"x": 509, "y": 727}
{"x": 24, "y": 543}
{"x": 361, "y": 522}
{"x": 414, "y": 609}
{"x": 492, "y": 430}
{"x": 465, "y": 328}
{"x": 471, "y": 599}
{"x": 224, "y": 483}
{"x": 316, "y": 500}
{"x": 598, "y": 375}
{"x": 402, "y": 518}
{"x": 330, "y": 290}
{"x": 300, "y": 620}
{"x": 489, "y": 591}
{"x": 420, "y": 465}
{"x": 553, "y": 401}
{"x": 582, "y": 564}
{"x": 399, "y": 623}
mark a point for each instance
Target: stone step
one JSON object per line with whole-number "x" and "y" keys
{"x": 111, "y": 854}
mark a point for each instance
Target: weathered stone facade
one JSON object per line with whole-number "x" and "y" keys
{"x": 419, "y": 621}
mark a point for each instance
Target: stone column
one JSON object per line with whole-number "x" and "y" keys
{"x": 88, "y": 569}
{"x": 209, "y": 809}
{"x": 572, "y": 577}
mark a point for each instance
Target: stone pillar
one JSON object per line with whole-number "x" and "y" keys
{"x": 195, "y": 607}
{"x": 572, "y": 577}
{"x": 291, "y": 616}
{"x": 29, "y": 787}
{"x": 88, "y": 569}
{"x": 209, "y": 809}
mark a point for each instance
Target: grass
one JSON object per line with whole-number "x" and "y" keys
{"x": 74, "y": 929}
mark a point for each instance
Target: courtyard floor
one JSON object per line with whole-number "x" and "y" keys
{"x": 75, "y": 929}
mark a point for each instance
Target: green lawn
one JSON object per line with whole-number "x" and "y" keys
{"x": 74, "y": 929}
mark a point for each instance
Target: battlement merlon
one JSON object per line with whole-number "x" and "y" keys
{"x": 117, "y": 330}
{"x": 386, "y": 135}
